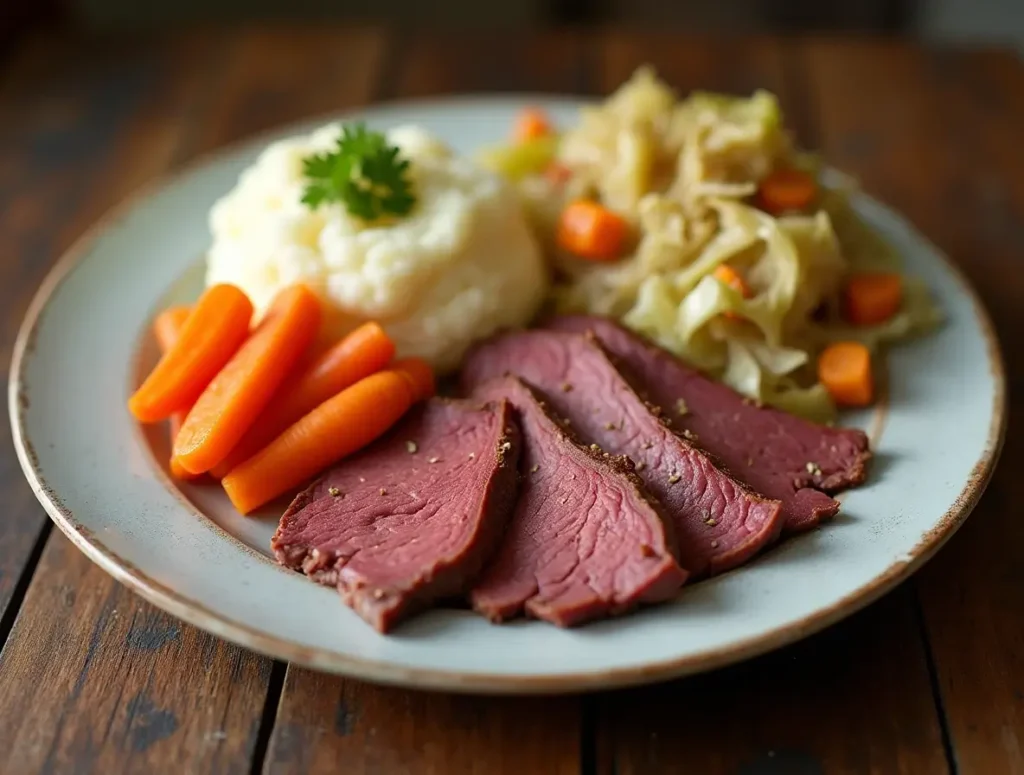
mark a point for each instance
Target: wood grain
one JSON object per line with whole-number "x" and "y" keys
{"x": 855, "y": 699}
{"x": 490, "y": 61}
{"x": 323, "y": 720}
{"x": 95, "y": 679}
{"x": 64, "y": 159}
{"x": 948, "y": 154}
{"x": 271, "y": 78}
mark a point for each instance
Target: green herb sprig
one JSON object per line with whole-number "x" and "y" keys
{"x": 363, "y": 173}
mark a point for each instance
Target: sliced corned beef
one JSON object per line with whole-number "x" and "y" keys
{"x": 585, "y": 540}
{"x": 718, "y": 521}
{"x": 777, "y": 454}
{"x": 414, "y": 517}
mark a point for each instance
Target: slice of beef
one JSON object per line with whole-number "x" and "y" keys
{"x": 413, "y": 518}
{"x": 777, "y": 454}
{"x": 585, "y": 540}
{"x": 719, "y": 523}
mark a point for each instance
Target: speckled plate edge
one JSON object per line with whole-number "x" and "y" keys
{"x": 195, "y": 613}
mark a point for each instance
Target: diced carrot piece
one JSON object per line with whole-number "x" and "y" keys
{"x": 167, "y": 328}
{"x": 588, "y": 230}
{"x": 338, "y": 427}
{"x": 531, "y": 124}
{"x": 212, "y": 334}
{"x": 243, "y": 388}
{"x": 872, "y": 298}
{"x": 844, "y": 368}
{"x": 366, "y": 350}
{"x": 729, "y": 276}
{"x": 787, "y": 190}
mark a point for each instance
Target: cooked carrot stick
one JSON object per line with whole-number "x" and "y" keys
{"x": 244, "y": 387}
{"x": 786, "y": 190}
{"x": 167, "y": 328}
{"x": 338, "y": 427}
{"x": 844, "y": 368}
{"x": 591, "y": 231}
{"x": 366, "y": 350}
{"x": 212, "y": 334}
{"x": 419, "y": 371}
{"x": 168, "y": 324}
{"x": 872, "y": 298}
{"x": 531, "y": 124}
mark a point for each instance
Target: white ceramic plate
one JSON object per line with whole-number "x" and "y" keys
{"x": 85, "y": 341}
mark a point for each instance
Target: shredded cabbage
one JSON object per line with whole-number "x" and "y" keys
{"x": 685, "y": 174}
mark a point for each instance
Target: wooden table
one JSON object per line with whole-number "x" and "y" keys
{"x": 92, "y": 679}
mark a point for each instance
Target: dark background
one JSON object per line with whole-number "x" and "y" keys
{"x": 1001, "y": 20}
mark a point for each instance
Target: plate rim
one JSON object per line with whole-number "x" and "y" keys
{"x": 196, "y": 613}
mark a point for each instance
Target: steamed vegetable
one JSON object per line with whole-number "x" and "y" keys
{"x": 872, "y": 298}
{"x": 363, "y": 352}
{"x": 714, "y": 191}
{"x": 844, "y": 368}
{"x": 242, "y": 389}
{"x": 336, "y": 428}
{"x": 167, "y": 329}
{"x": 517, "y": 161}
{"x": 588, "y": 230}
{"x": 786, "y": 190}
{"x": 213, "y": 332}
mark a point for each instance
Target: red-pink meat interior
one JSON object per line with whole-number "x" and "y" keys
{"x": 583, "y": 541}
{"x": 405, "y": 508}
{"x": 719, "y": 524}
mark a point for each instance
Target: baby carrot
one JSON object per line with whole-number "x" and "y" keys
{"x": 167, "y": 328}
{"x": 168, "y": 324}
{"x": 419, "y": 371}
{"x": 363, "y": 352}
{"x": 844, "y": 368}
{"x": 591, "y": 231}
{"x": 244, "y": 387}
{"x": 338, "y": 427}
{"x": 786, "y": 190}
{"x": 211, "y": 335}
{"x": 872, "y": 298}
{"x": 531, "y": 124}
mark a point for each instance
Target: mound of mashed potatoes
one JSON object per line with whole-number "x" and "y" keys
{"x": 460, "y": 266}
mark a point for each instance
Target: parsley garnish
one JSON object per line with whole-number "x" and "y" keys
{"x": 363, "y": 172}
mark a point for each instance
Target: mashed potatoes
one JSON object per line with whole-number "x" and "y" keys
{"x": 460, "y": 266}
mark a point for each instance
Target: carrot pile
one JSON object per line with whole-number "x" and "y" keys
{"x": 255, "y": 407}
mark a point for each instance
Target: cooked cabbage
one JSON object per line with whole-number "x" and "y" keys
{"x": 684, "y": 173}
